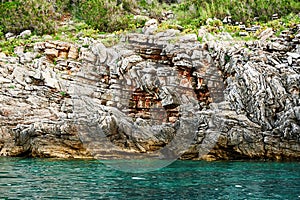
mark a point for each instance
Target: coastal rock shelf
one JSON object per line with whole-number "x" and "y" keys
{"x": 161, "y": 95}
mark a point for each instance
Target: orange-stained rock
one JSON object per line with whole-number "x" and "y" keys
{"x": 51, "y": 53}
{"x": 73, "y": 52}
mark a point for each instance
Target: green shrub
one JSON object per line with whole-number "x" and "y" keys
{"x": 63, "y": 5}
{"x": 43, "y": 16}
{"x": 240, "y": 10}
{"x": 1, "y": 32}
{"x": 153, "y": 9}
{"x": 106, "y": 15}
{"x": 36, "y": 15}
{"x": 8, "y": 46}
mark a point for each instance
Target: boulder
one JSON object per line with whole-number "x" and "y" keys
{"x": 266, "y": 34}
{"x": 25, "y": 34}
{"x": 51, "y": 53}
{"x": 150, "y": 27}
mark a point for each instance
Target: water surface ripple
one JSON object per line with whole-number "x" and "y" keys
{"x": 86, "y": 179}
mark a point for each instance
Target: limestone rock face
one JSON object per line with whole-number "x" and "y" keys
{"x": 156, "y": 95}
{"x": 150, "y": 26}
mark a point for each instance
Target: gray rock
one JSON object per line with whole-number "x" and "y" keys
{"x": 100, "y": 50}
{"x": 168, "y": 14}
{"x": 19, "y": 50}
{"x": 39, "y": 46}
{"x": 50, "y": 80}
{"x": 202, "y": 32}
{"x": 2, "y": 55}
{"x": 18, "y": 75}
{"x": 277, "y": 46}
{"x": 4, "y": 80}
{"x": 293, "y": 55}
{"x": 9, "y": 35}
{"x": 159, "y": 95}
{"x": 243, "y": 33}
{"x": 28, "y": 57}
{"x": 150, "y": 27}
{"x": 242, "y": 27}
{"x": 290, "y": 60}
{"x": 47, "y": 37}
{"x": 188, "y": 38}
{"x": 86, "y": 55}
{"x": 25, "y": 34}
{"x": 227, "y": 20}
{"x": 266, "y": 34}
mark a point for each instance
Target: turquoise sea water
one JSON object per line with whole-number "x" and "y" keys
{"x": 79, "y": 179}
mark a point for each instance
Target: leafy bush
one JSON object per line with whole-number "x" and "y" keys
{"x": 36, "y": 15}
{"x": 1, "y": 32}
{"x": 42, "y": 16}
{"x": 240, "y": 10}
{"x": 106, "y": 15}
{"x": 153, "y": 9}
{"x": 7, "y": 46}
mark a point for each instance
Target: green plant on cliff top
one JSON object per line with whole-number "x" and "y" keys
{"x": 8, "y": 46}
{"x": 106, "y": 15}
{"x": 1, "y": 32}
{"x": 240, "y": 10}
{"x": 152, "y": 8}
{"x": 110, "y": 41}
{"x": 92, "y": 17}
{"x": 37, "y": 15}
{"x": 92, "y": 33}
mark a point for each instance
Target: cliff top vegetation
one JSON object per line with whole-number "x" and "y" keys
{"x": 93, "y": 17}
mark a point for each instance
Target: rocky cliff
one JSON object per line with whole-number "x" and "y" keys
{"x": 159, "y": 95}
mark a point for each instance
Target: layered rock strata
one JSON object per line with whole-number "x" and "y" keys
{"x": 162, "y": 95}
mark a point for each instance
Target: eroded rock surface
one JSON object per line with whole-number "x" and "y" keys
{"x": 162, "y": 95}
